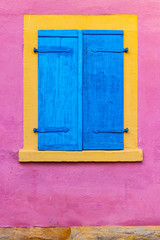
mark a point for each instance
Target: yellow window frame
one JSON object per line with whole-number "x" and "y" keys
{"x": 33, "y": 23}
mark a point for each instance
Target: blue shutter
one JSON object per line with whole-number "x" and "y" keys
{"x": 103, "y": 89}
{"x": 59, "y": 90}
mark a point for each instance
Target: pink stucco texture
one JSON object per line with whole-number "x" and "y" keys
{"x": 75, "y": 194}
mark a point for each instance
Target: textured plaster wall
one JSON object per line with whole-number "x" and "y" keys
{"x": 75, "y": 194}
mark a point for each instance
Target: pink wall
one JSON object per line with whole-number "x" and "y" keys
{"x": 76, "y": 193}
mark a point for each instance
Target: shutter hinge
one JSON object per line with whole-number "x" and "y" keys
{"x": 109, "y": 51}
{"x": 55, "y": 129}
{"x": 52, "y": 50}
{"x": 110, "y": 131}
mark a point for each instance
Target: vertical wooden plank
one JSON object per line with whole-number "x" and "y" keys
{"x": 103, "y": 90}
{"x": 80, "y": 57}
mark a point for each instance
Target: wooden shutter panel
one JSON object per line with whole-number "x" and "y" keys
{"x": 59, "y": 90}
{"x": 103, "y": 89}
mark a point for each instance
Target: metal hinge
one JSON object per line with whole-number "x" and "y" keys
{"x": 110, "y": 131}
{"x": 54, "y": 130}
{"x": 108, "y": 51}
{"x": 52, "y": 50}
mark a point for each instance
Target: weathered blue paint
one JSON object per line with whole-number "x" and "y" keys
{"x": 45, "y": 130}
{"x": 80, "y": 81}
{"x": 58, "y": 33}
{"x": 102, "y": 89}
{"x": 52, "y": 50}
{"x": 102, "y": 32}
{"x": 110, "y": 51}
{"x": 110, "y": 131}
{"x": 59, "y": 91}
{"x": 87, "y": 59}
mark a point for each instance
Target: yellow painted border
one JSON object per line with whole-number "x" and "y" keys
{"x": 33, "y": 23}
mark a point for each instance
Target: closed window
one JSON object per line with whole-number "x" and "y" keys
{"x": 80, "y": 90}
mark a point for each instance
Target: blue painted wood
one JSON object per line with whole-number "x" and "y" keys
{"x": 110, "y": 50}
{"x": 102, "y": 90}
{"x": 58, "y": 33}
{"x": 80, "y": 57}
{"x": 54, "y": 129}
{"x": 59, "y": 91}
{"x": 110, "y": 130}
{"x": 52, "y": 50}
{"x": 102, "y": 32}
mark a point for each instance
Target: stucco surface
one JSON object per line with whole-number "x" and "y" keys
{"x": 75, "y": 194}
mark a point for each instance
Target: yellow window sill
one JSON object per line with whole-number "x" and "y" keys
{"x": 126, "y": 155}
